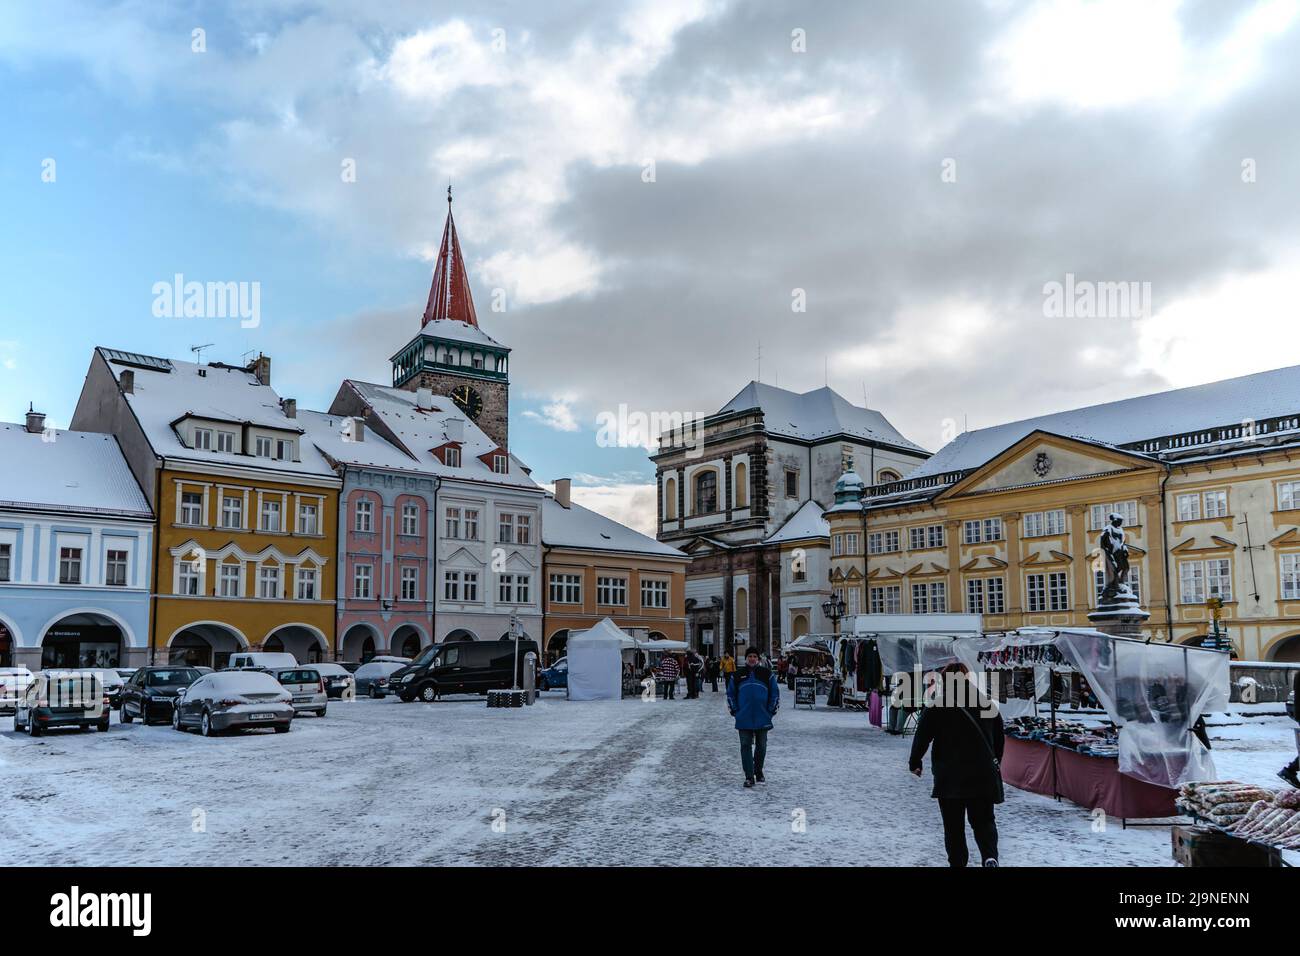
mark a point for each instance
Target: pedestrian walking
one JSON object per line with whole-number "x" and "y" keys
{"x": 965, "y": 730}
{"x": 728, "y": 667}
{"x": 668, "y": 672}
{"x": 753, "y": 697}
{"x": 713, "y": 668}
{"x": 1289, "y": 772}
{"x": 694, "y": 674}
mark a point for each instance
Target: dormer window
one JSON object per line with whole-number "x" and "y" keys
{"x": 203, "y": 438}
{"x": 452, "y": 457}
{"x": 284, "y": 449}
{"x": 264, "y": 446}
{"x": 226, "y": 442}
{"x": 500, "y": 464}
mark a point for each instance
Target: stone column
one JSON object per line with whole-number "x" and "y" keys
{"x": 1082, "y": 578}
{"x": 1011, "y": 530}
{"x": 1153, "y": 582}
{"x": 952, "y": 530}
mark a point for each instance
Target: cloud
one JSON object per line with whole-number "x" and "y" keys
{"x": 629, "y": 503}
{"x": 557, "y": 414}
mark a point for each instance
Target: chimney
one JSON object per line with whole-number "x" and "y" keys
{"x": 424, "y": 397}
{"x": 35, "y": 420}
{"x": 261, "y": 368}
{"x": 290, "y": 407}
{"x": 357, "y": 429}
{"x": 454, "y": 429}
{"x": 562, "y": 486}
{"x": 126, "y": 380}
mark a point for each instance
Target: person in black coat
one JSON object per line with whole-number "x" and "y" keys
{"x": 965, "y": 730}
{"x": 1289, "y": 772}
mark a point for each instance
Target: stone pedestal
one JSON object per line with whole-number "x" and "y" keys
{"x": 1119, "y": 614}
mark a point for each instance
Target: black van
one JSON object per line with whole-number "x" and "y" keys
{"x": 462, "y": 667}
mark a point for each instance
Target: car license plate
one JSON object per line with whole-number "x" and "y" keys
{"x": 302, "y": 700}
{"x": 261, "y": 716}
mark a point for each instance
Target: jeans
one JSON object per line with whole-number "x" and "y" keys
{"x": 753, "y": 749}
{"x": 670, "y": 689}
{"x": 955, "y": 812}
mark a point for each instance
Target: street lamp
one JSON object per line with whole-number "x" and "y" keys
{"x": 834, "y": 609}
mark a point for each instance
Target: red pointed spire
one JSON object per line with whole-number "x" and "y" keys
{"x": 449, "y": 298}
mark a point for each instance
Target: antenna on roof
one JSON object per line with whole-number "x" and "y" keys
{"x": 198, "y": 352}
{"x": 865, "y": 404}
{"x": 244, "y": 358}
{"x": 759, "y": 360}
{"x": 826, "y": 370}
{"x": 965, "y": 422}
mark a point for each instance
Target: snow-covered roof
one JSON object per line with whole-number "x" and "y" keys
{"x": 163, "y": 395}
{"x": 419, "y": 430}
{"x": 333, "y": 436}
{"x": 459, "y": 332}
{"x": 579, "y": 527}
{"x": 75, "y": 472}
{"x": 1256, "y": 397}
{"x": 807, "y": 522}
{"x": 822, "y": 413}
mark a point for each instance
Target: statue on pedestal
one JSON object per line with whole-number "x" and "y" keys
{"x": 1114, "y": 550}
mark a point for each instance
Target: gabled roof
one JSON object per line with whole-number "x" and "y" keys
{"x": 163, "y": 396}
{"x": 1257, "y": 397}
{"x": 75, "y": 472}
{"x": 805, "y": 523}
{"x": 819, "y": 414}
{"x": 449, "y": 295}
{"x": 579, "y": 527}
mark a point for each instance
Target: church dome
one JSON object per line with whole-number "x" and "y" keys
{"x": 849, "y": 487}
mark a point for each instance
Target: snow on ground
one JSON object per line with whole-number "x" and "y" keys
{"x": 626, "y": 782}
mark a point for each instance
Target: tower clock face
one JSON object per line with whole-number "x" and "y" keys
{"x": 468, "y": 401}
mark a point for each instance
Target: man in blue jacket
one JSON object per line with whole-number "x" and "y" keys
{"x": 753, "y": 697}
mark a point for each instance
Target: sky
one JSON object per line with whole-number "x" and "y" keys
{"x": 660, "y": 201}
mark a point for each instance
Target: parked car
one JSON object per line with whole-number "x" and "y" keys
{"x": 389, "y": 659}
{"x": 557, "y": 675}
{"x": 339, "y": 681}
{"x": 203, "y": 670}
{"x": 126, "y": 673}
{"x": 307, "y": 687}
{"x": 65, "y": 698}
{"x": 13, "y": 682}
{"x": 463, "y": 667}
{"x": 270, "y": 660}
{"x": 234, "y": 700}
{"x": 151, "y": 693}
{"x": 350, "y": 666}
{"x": 113, "y": 682}
{"x": 372, "y": 678}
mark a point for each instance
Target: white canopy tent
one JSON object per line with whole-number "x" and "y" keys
{"x": 596, "y": 662}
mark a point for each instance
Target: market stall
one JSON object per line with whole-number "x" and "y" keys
{"x": 1239, "y": 824}
{"x": 596, "y": 662}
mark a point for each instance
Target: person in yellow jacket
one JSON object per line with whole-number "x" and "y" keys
{"x": 728, "y": 668}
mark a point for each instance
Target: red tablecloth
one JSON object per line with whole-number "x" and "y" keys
{"x": 1088, "y": 781}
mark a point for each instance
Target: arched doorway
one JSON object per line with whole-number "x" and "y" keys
{"x": 7, "y": 645}
{"x": 83, "y": 639}
{"x": 358, "y": 643}
{"x": 206, "y": 644}
{"x": 798, "y": 627}
{"x": 460, "y": 634}
{"x": 1286, "y": 651}
{"x": 557, "y": 646}
{"x": 406, "y": 641}
{"x": 303, "y": 641}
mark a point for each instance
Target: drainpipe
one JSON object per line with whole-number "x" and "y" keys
{"x": 157, "y": 558}
{"x": 1164, "y": 542}
{"x": 433, "y": 563}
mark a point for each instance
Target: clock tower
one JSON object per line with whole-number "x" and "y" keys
{"x": 453, "y": 356}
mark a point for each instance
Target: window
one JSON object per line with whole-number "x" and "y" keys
{"x": 1189, "y": 507}
{"x": 994, "y": 596}
{"x": 566, "y": 589}
{"x": 846, "y": 458}
{"x": 306, "y": 584}
{"x": 882, "y": 542}
{"x": 191, "y": 507}
{"x": 1288, "y": 495}
{"x": 1039, "y": 524}
{"x": 69, "y": 565}
{"x": 232, "y": 511}
{"x": 1058, "y": 591}
{"x": 410, "y": 583}
{"x": 1134, "y": 582}
{"x": 887, "y": 599}
{"x": 1216, "y": 504}
{"x": 1290, "y": 577}
{"x": 1036, "y": 592}
{"x": 226, "y": 442}
{"x": 453, "y": 522}
{"x": 365, "y": 516}
{"x": 410, "y": 519}
{"x": 930, "y": 598}
{"x": 706, "y": 492}
{"x": 228, "y": 576}
{"x": 361, "y": 576}
{"x": 854, "y": 604}
{"x": 307, "y": 523}
{"x": 451, "y": 585}
{"x": 505, "y": 528}
{"x": 654, "y": 594}
{"x": 471, "y": 524}
{"x": 837, "y": 545}
{"x": 6, "y": 558}
{"x": 1200, "y": 580}
{"x": 916, "y": 538}
{"x": 523, "y": 529}
{"x": 791, "y": 483}
{"x": 611, "y": 592}
{"x": 513, "y": 589}
{"x": 470, "y": 581}
{"x": 451, "y": 456}
{"x": 970, "y": 532}
{"x": 851, "y": 543}
{"x": 284, "y": 449}
{"x": 992, "y": 529}
{"x": 1099, "y": 515}
{"x": 799, "y": 569}
{"x": 270, "y": 515}
{"x": 203, "y": 438}
{"x": 189, "y": 578}
{"x": 930, "y": 536}
{"x": 115, "y": 569}
{"x": 886, "y": 475}
{"x": 263, "y": 448}
{"x": 501, "y": 464}
{"x": 268, "y": 581}
{"x": 975, "y": 596}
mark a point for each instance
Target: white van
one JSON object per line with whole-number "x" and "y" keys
{"x": 271, "y": 660}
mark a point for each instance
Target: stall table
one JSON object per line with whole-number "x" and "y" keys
{"x": 1091, "y": 782}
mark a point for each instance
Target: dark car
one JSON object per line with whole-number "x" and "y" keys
{"x": 63, "y": 699}
{"x": 234, "y": 700}
{"x": 557, "y": 675}
{"x": 151, "y": 692}
{"x": 339, "y": 682}
{"x": 463, "y": 667}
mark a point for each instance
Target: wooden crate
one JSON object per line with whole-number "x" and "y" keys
{"x": 1206, "y": 846}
